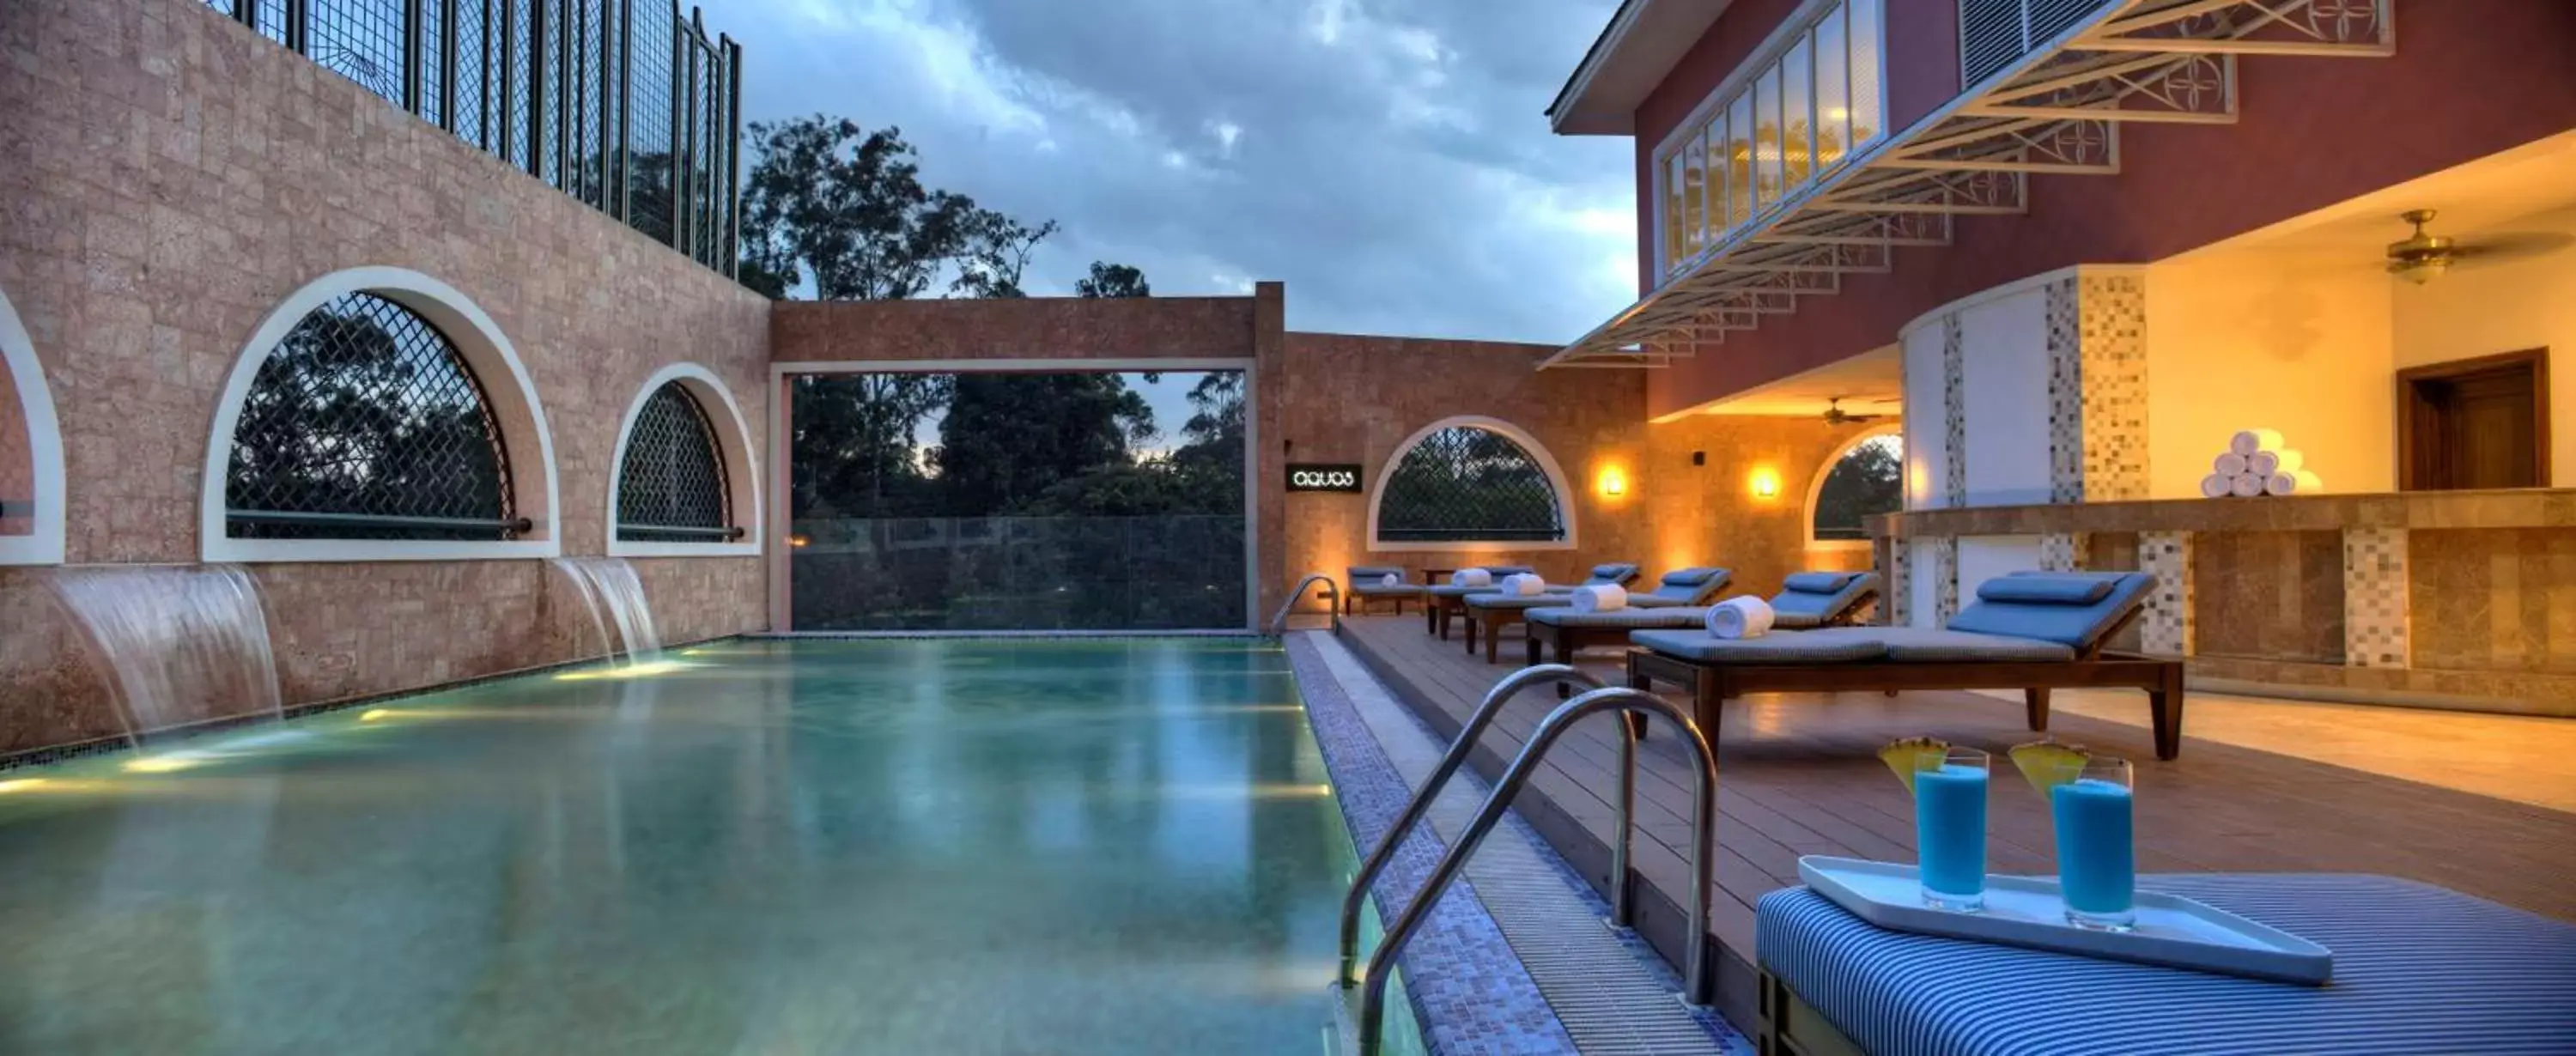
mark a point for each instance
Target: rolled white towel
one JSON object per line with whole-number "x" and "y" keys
{"x": 2300, "y": 482}
{"x": 2248, "y": 441}
{"x": 2214, "y": 486}
{"x": 1742, "y": 616}
{"x": 2266, "y": 463}
{"x": 1390, "y": 580}
{"x": 1471, "y": 577}
{"x": 1606, "y": 597}
{"x": 2229, "y": 464}
{"x": 2245, "y": 485}
{"x": 1524, "y": 585}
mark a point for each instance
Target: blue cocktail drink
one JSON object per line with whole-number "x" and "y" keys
{"x": 2096, "y": 862}
{"x": 1950, "y": 829}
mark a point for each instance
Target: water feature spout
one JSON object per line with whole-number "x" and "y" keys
{"x": 608, "y": 584}
{"x": 181, "y": 643}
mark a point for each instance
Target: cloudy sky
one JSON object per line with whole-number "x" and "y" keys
{"x": 1387, "y": 159}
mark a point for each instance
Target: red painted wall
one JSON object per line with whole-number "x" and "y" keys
{"x": 2470, "y": 78}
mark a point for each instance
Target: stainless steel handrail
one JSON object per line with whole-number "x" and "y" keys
{"x": 1332, "y": 593}
{"x": 1467, "y": 735}
{"x": 1630, "y": 703}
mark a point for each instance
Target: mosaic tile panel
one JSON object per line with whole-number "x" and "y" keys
{"x": 2111, "y": 322}
{"x": 1899, "y": 566}
{"x": 2375, "y": 632}
{"x": 2062, "y": 551}
{"x": 2165, "y": 628}
{"x": 1954, "y": 413}
{"x": 2065, "y": 395}
{"x": 1945, "y": 580}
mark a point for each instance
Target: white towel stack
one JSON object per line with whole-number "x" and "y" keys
{"x": 2256, "y": 463}
{"x": 1524, "y": 585}
{"x": 1606, "y": 597}
{"x": 1742, "y": 616}
{"x": 1390, "y": 580}
{"x": 1471, "y": 577}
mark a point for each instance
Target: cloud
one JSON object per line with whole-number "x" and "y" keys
{"x": 1387, "y": 159}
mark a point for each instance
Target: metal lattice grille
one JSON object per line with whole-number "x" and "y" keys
{"x": 1465, "y": 484}
{"x": 366, "y": 423}
{"x": 672, "y": 487}
{"x": 361, "y": 40}
{"x": 648, "y": 175}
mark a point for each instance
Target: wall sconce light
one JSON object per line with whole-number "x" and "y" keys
{"x": 1613, "y": 482}
{"x": 1766, "y": 483}
{"x": 798, "y": 541}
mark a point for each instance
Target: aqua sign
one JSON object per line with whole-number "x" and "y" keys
{"x": 1323, "y": 476}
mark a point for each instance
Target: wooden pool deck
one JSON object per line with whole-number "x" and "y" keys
{"x": 1798, "y": 774}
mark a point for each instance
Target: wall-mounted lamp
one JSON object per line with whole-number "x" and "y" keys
{"x": 798, "y": 541}
{"x": 1766, "y": 483}
{"x": 1613, "y": 482}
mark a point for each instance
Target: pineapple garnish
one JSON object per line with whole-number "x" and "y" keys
{"x": 1913, "y": 753}
{"x": 2047, "y": 763}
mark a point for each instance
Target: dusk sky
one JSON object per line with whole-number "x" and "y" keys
{"x": 1388, "y": 159}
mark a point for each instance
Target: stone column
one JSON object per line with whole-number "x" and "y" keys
{"x": 2375, "y": 603}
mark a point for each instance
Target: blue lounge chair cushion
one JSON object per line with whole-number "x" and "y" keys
{"x": 1634, "y": 619}
{"x": 1794, "y": 609}
{"x": 1685, "y": 586}
{"x": 1820, "y": 582}
{"x": 1373, "y": 573}
{"x": 2080, "y": 625}
{"x": 1515, "y": 601}
{"x": 1909, "y": 645}
{"x": 2045, "y": 588}
{"x": 1616, "y": 573}
{"x": 1831, "y": 645}
{"x": 1365, "y": 582}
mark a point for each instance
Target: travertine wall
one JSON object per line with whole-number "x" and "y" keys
{"x": 171, "y": 177}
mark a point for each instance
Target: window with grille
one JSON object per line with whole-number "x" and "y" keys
{"x": 367, "y": 423}
{"x": 1994, "y": 34}
{"x": 1867, "y": 478}
{"x": 672, "y": 488}
{"x": 1469, "y": 484}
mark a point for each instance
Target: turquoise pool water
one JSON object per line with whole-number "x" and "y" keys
{"x": 1086, "y": 846}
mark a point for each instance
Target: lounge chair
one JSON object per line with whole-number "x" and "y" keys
{"x": 2031, "y": 631}
{"x": 1679, "y": 600}
{"x": 1441, "y": 600}
{"x": 1367, "y": 584}
{"x": 1495, "y": 611}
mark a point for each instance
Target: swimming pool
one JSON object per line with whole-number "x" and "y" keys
{"x": 917, "y": 846}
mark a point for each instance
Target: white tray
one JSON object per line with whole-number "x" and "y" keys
{"x": 2029, "y": 911}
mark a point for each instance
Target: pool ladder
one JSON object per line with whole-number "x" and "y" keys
{"x": 1332, "y": 593}
{"x": 1632, "y": 705}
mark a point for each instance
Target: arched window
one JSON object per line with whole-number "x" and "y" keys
{"x": 1471, "y": 481}
{"x": 31, "y": 453}
{"x": 671, "y": 487}
{"x": 1866, "y": 477}
{"x": 686, "y": 481}
{"x": 378, "y": 414}
{"x": 366, "y": 423}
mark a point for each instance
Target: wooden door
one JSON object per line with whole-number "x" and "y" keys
{"x": 2475, "y": 423}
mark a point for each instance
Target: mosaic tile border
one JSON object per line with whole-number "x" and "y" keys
{"x": 2375, "y": 601}
{"x": 1954, "y": 412}
{"x": 2111, "y": 372}
{"x": 2165, "y": 627}
{"x": 1897, "y": 605}
{"x": 2066, "y": 395}
{"x": 1945, "y": 580}
{"x": 1468, "y": 990}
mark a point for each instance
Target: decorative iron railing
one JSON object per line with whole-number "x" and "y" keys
{"x": 1994, "y": 34}
{"x": 623, "y": 104}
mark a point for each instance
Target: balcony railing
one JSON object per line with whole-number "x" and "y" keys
{"x": 623, "y": 104}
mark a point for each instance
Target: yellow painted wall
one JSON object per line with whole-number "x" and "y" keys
{"x": 2486, "y": 307}
{"x": 2244, "y": 341}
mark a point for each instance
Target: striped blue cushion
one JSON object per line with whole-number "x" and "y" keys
{"x": 2069, "y": 624}
{"x": 2045, "y": 588}
{"x": 1371, "y": 589}
{"x": 1500, "y": 571}
{"x": 1831, "y": 645}
{"x": 1514, "y": 601}
{"x": 1665, "y": 616}
{"x": 1924, "y": 645}
{"x": 1819, "y": 582}
{"x": 1690, "y": 586}
{"x": 1373, "y": 573}
{"x": 2418, "y": 969}
{"x": 1793, "y": 609}
{"x": 1615, "y": 573}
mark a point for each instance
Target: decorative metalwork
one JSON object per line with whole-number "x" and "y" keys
{"x": 1466, "y": 484}
{"x": 624, "y": 104}
{"x": 2078, "y": 70}
{"x": 672, "y": 486}
{"x": 366, "y": 423}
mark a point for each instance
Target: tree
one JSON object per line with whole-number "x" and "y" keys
{"x": 845, "y": 208}
{"x": 1007, "y": 438}
{"x": 1113, "y": 280}
{"x": 1868, "y": 479}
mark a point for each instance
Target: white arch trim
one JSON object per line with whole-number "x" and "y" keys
{"x": 1555, "y": 479}
{"x": 486, "y": 350}
{"x": 733, "y": 445}
{"x": 44, "y": 545}
{"x": 1816, "y": 487}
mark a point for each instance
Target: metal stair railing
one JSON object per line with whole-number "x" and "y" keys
{"x": 1332, "y": 593}
{"x": 1502, "y": 692}
{"x": 1630, "y": 703}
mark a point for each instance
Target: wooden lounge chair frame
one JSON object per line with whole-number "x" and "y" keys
{"x": 1713, "y": 684}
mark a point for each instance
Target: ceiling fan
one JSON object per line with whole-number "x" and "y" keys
{"x": 1835, "y": 415}
{"x": 2422, "y": 257}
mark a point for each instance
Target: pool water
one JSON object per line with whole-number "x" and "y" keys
{"x": 929, "y": 846}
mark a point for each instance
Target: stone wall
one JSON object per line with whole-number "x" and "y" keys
{"x": 171, "y": 178}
